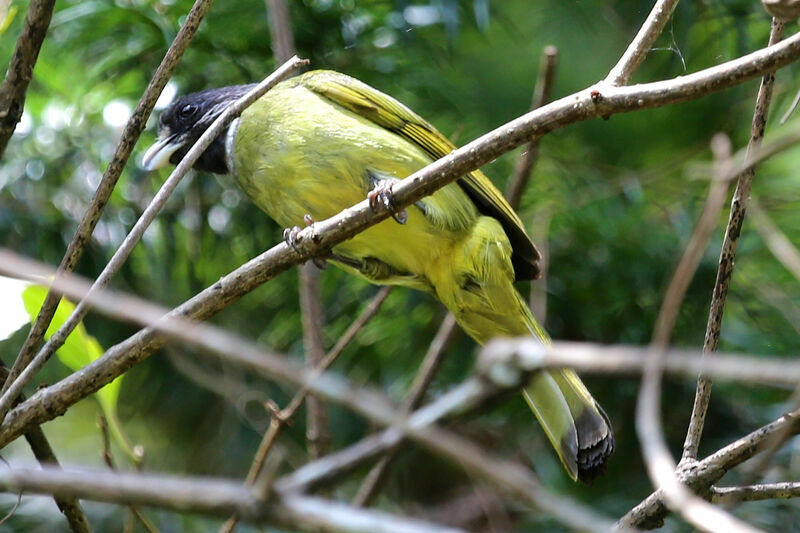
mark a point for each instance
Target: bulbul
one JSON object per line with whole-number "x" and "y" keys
{"x": 319, "y": 143}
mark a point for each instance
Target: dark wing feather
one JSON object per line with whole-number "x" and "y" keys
{"x": 388, "y": 113}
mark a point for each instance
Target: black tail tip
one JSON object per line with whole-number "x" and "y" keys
{"x": 592, "y": 460}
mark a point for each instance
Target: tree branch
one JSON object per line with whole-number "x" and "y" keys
{"x": 728, "y": 253}
{"x": 541, "y": 95}
{"x": 130, "y": 135}
{"x": 12, "y": 389}
{"x": 755, "y": 493}
{"x": 20, "y": 69}
{"x": 641, "y": 44}
{"x": 493, "y": 377}
{"x": 702, "y": 474}
{"x": 661, "y": 466}
{"x": 209, "y": 496}
{"x": 430, "y": 364}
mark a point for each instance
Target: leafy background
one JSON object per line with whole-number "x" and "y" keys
{"x": 623, "y": 196}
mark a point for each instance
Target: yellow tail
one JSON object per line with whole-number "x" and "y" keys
{"x": 476, "y": 285}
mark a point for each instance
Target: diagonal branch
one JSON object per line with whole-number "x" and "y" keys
{"x": 12, "y": 389}
{"x": 641, "y": 44}
{"x": 661, "y": 467}
{"x": 430, "y": 364}
{"x": 130, "y": 135}
{"x": 730, "y": 243}
{"x": 541, "y": 95}
{"x": 754, "y": 493}
{"x": 20, "y": 69}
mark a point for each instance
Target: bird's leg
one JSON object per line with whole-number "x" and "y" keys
{"x": 382, "y": 191}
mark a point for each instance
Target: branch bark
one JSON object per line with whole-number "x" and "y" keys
{"x": 754, "y": 493}
{"x": 209, "y": 496}
{"x": 641, "y": 44}
{"x": 20, "y": 69}
{"x": 541, "y": 95}
{"x": 730, "y": 243}
{"x": 130, "y": 135}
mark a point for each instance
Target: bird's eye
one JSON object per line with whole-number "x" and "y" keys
{"x": 187, "y": 111}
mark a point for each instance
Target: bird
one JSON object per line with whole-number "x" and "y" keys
{"x": 320, "y": 142}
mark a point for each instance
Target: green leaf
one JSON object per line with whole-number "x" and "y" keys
{"x": 7, "y": 17}
{"x": 79, "y": 350}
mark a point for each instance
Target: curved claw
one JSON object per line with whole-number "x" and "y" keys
{"x": 290, "y": 236}
{"x": 383, "y": 192}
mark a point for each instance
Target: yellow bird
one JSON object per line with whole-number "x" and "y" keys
{"x": 319, "y": 143}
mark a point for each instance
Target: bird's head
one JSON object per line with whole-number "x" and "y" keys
{"x": 184, "y": 121}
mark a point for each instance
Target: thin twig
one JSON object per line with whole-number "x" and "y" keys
{"x": 318, "y": 436}
{"x": 728, "y": 253}
{"x": 430, "y": 364}
{"x": 641, "y": 44}
{"x": 280, "y": 418}
{"x": 754, "y": 493}
{"x": 130, "y": 135}
{"x": 788, "y": 255}
{"x": 209, "y": 496}
{"x": 133, "y": 237}
{"x": 108, "y": 459}
{"x": 280, "y": 30}
{"x": 541, "y": 95}
{"x": 20, "y": 69}
{"x": 40, "y": 446}
{"x": 660, "y": 465}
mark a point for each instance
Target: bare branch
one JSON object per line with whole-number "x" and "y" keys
{"x": 40, "y": 446}
{"x": 728, "y": 253}
{"x": 754, "y": 493}
{"x": 318, "y": 434}
{"x": 20, "y": 69}
{"x": 108, "y": 458}
{"x": 366, "y": 315}
{"x": 112, "y": 173}
{"x": 208, "y": 496}
{"x": 279, "y": 418}
{"x": 430, "y": 364}
{"x": 13, "y": 389}
{"x": 660, "y": 465}
{"x": 280, "y": 30}
{"x": 641, "y": 44}
{"x": 702, "y": 474}
{"x": 541, "y": 95}
{"x": 494, "y": 377}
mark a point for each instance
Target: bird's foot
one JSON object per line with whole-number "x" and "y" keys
{"x": 290, "y": 236}
{"x": 382, "y": 192}
{"x": 319, "y": 261}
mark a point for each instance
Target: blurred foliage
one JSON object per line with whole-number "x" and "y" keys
{"x": 623, "y": 196}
